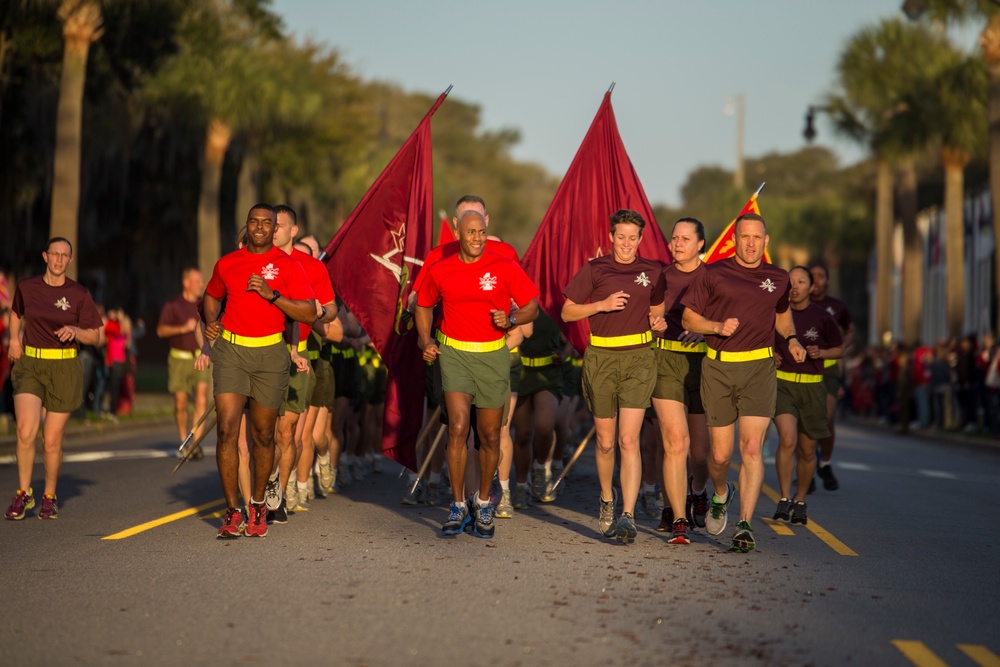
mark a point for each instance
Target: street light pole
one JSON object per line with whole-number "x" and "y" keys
{"x": 736, "y": 105}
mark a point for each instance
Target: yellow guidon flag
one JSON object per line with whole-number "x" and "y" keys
{"x": 724, "y": 245}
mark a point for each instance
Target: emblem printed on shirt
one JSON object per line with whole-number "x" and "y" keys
{"x": 829, "y": 309}
{"x": 62, "y": 303}
{"x": 642, "y": 279}
{"x": 812, "y": 334}
{"x": 487, "y": 282}
{"x": 270, "y": 272}
{"x": 768, "y": 285}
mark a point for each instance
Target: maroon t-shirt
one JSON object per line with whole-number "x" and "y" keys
{"x": 836, "y": 308}
{"x": 814, "y": 326}
{"x": 177, "y": 312}
{"x": 599, "y": 278}
{"x": 677, "y": 284}
{"x": 46, "y": 309}
{"x": 752, "y": 296}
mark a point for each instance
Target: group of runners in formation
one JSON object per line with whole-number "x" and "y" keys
{"x": 708, "y": 353}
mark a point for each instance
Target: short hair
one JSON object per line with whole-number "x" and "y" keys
{"x": 471, "y": 199}
{"x": 59, "y": 239}
{"x": 261, "y": 205}
{"x": 756, "y": 217}
{"x": 804, "y": 268}
{"x": 699, "y": 229}
{"x": 187, "y": 272}
{"x": 627, "y": 217}
{"x": 299, "y": 245}
{"x": 287, "y": 210}
{"x": 820, "y": 265}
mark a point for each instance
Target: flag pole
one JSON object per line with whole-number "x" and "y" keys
{"x": 612, "y": 87}
{"x": 576, "y": 455}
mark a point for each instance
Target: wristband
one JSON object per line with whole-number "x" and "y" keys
{"x": 790, "y": 337}
{"x": 277, "y": 295}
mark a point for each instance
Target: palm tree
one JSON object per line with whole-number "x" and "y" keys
{"x": 878, "y": 72}
{"x": 82, "y": 26}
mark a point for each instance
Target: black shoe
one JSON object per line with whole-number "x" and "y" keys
{"x": 666, "y": 520}
{"x": 825, "y": 473}
{"x": 799, "y": 513}
{"x": 782, "y": 513}
{"x": 699, "y": 508}
{"x": 279, "y": 515}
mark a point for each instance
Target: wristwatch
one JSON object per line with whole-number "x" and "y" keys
{"x": 513, "y": 321}
{"x": 322, "y": 312}
{"x": 277, "y": 295}
{"x": 790, "y": 337}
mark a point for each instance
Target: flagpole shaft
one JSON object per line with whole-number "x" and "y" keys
{"x": 424, "y": 433}
{"x": 763, "y": 183}
{"x": 191, "y": 451}
{"x": 576, "y": 455}
{"x": 427, "y": 459}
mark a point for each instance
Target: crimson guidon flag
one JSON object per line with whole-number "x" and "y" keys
{"x": 372, "y": 261}
{"x": 600, "y": 180}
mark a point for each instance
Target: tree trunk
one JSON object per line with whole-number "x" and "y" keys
{"x": 217, "y": 138}
{"x": 883, "y": 250}
{"x": 81, "y": 27}
{"x": 913, "y": 251}
{"x": 989, "y": 40}
{"x": 247, "y": 187}
{"x": 954, "y": 162}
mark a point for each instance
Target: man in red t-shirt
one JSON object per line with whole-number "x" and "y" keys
{"x": 261, "y": 285}
{"x": 475, "y": 289}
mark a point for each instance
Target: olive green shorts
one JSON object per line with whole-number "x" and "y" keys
{"x": 572, "y": 377}
{"x": 541, "y": 378}
{"x": 732, "y": 389}
{"x": 831, "y": 380}
{"x": 259, "y": 373}
{"x": 58, "y": 382}
{"x": 183, "y": 377}
{"x": 614, "y": 379}
{"x": 807, "y": 403}
{"x": 299, "y": 391}
{"x": 484, "y": 375}
{"x": 324, "y": 390}
{"x": 678, "y": 378}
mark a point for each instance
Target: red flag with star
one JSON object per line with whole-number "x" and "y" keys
{"x": 372, "y": 261}
{"x": 575, "y": 229}
{"x": 725, "y": 245}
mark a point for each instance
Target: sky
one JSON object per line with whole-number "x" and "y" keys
{"x": 542, "y": 67}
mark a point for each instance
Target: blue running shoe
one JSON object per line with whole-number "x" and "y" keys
{"x": 458, "y": 519}
{"x": 483, "y": 526}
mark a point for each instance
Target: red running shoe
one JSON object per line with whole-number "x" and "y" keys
{"x": 233, "y": 525}
{"x": 50, "y": 507}
{"x": 256, "y": 525}
{"x": 681, "y": 533}
{"x": 23, "y": 501}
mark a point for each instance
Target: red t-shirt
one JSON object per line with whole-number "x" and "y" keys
{"x": 176, "y": 312}
{"x": 752, "y": 296}
{"x": 450, "y": 249}
{"x": 319, "y": 280}
{"x": 46, "y": 309}
{"x": 677, "y": 284}
{"x": 814, "y": 326}
{"x": 247, "y": 313}
{"x": 115, "y": 348}
{"x": 470, "y": 291}
{"x": 599, "y": 278}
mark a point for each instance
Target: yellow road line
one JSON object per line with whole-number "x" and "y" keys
{"x": 918, "y": 653}
{"x": 135, "y": 530}
{"x": 779, "y": 527}
{"x": 980, "y": 655}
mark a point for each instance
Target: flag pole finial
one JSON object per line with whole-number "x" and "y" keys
{"x": 448, "y": 89}
{"x": 612, "y": 87}
{"x": 763, "y": 183}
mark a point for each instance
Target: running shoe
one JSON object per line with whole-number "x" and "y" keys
{"x": 626, "y": 528}
{"x": 483, "y": 526}
{"x": 505, "y": 508}
{"x": 344, "y": 477}
{"x": 606, "y": 517}
{"x": 378, "y": 463}
{"x": 432, "y": 494}
{"x": 699, "y": 508}
{"x": 303, "y": 496}
{"x": 666, "y": 519}
{"x": 458, "y": 519}
{"x": 647, "y": 499}
{"x": 549, "y": 495}
{"x": 519, "y": 497}
{"x": 23, "y": 501}
{"x": 538, "y": 480}
{"x": 414, "y": 494}
{"x": 234, "y": 523}
{"x": 681, "y": 532}
{"x": 825, "y": 473}
{"x": 50, "y": 507}
{"x": 716, "y": 520}
{"x": 783, "y": 509}
{"x": 279, "y": 515}
{"x": 272, "y": 492}
{"x": 334, "y": 488}
{"x": 256, "y": 525}
{"x": 743, "y": 541}
{"x": 326, "y": 478}
{"x": 799, "y": 515}
{"x": 310, "y": 489}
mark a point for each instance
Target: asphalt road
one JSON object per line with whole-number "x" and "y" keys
{"x": 898, "y": 567}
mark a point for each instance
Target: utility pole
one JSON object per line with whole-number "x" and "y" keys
{"x": 735, "y": 105}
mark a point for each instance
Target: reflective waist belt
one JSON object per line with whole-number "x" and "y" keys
{"x": 313, "y": 355}
{"x": 251, "y": 341}
{"x": 49, "y": 352}
{"x": 678, "y": 346}
{"x": 181, "y": 354}
{"x": 301, "y": 347}
{"x": 643, "y": 338}
{"x": 535, "y": 362}
{"x": 827, "y": 363}
{"x": 347, "y": 353}
{"x": 465, "y": 346}
{"x": 801, "y": 378}
{"x": 516, "y": 349}
{"x": 749, "y": 355}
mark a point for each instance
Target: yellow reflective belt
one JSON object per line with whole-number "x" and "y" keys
{"x": 678, "y": 346}
{"x": 643, "y": 338}
{"x": 827, "y": 363}
{"x": 466, "y": 346}
{"x": 313, "y": 355}
{"x": 535, "y": 362}
{"x": 749, "y": 355}
{"x": 181, "y": 354}
{"x": 251, "y": 341}
{"x": 49, "y": 352}
{"x": 801, "y": 378}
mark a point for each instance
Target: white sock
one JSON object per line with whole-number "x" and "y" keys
{"x": 481, "y": 502}
{"x": 302, "y": 486}
{"x": 505, "y": 484}
{"x": 647, "y": 487}
{"x": 722, "y": 498}
{"x": 324, "y": 458}
{"x": 548, "y": 468}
